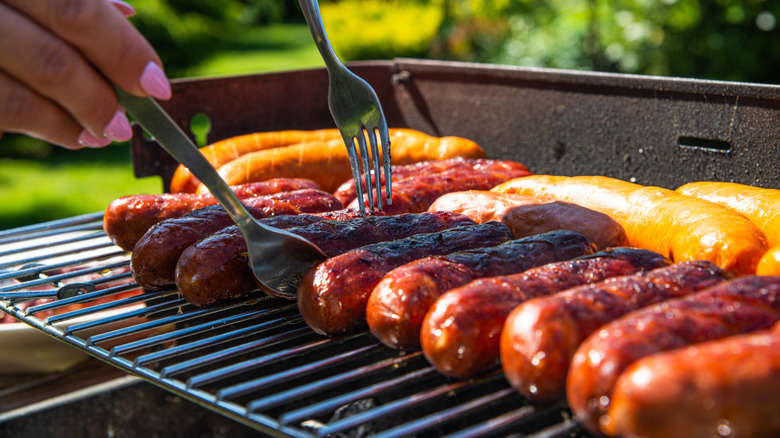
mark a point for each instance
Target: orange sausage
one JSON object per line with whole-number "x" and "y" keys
{"x": 221, "y": 152}
{"x": 327, "y": 163}
{"x": 761, "y": 206}
{"x": 531, "y": 215}
{"x": 678, "y": 226}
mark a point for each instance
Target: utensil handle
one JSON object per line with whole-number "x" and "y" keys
{"x": 148, "y": 113}
{"x": 311, "y": 12}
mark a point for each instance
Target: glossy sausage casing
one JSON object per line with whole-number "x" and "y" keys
{"x": 727, "y": 387}
{"x": 127, "y": 218}
{"x": 399, "y": 302}
{"x": 332, "y": 297}
{"x": 460, "y": 333}
{"x": 541, "y": 335}
{"x": 216, "y": 268}
{"x": 743, "y": 305}
{"x": 154, "y": 257}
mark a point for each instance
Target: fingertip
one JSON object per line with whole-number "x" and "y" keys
{"x": 88, "y": 140}
{"x": 154, "y": 82}
{"x": 123, "y": 7}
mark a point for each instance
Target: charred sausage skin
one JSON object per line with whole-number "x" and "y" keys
{"x": 126, "y": 219}
{"x": 332, "y": 297}
{"x": 154, "y": 257}
{"x": 742, "y": 305}
{"x": 399, "y": 302}
{"x": 216, "y": 268}
{"x": 541, "y": 335}
{"x": 460, "y": 333}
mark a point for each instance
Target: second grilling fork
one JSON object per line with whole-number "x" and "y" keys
{"x": 358, "y": 115}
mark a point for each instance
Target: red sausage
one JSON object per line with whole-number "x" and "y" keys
{"x": 460, "y": 333}
{"x": 399, "y": 302}
{"x": 216, "y": 268}
{"x": 332, "y": 297}
{"x": 743, "y": 305}
{"x": 541, "y": 335}
{"x": 127, "y": 218}
{"x": 727, "y": 387}
{"x": 504, "y": 168}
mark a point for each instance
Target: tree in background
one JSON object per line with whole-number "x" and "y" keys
{"x": 715, "y": 39}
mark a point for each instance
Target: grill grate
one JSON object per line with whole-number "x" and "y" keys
{"x": 254, "y": 361}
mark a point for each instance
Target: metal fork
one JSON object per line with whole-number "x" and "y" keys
{"x": 279, "y": 258}
{"x": 357, "y": 112}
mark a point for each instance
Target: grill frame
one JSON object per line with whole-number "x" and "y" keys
{"x": 688, "y": 130}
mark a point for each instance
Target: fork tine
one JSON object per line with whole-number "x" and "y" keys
{"x": 375, "y": 160}
{"x": 366, "y": 168}
{"x": 384, "y": 138}
{"x": 349, "y": 142}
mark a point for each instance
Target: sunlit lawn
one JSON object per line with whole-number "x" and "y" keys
{"x": 67, "y": 183}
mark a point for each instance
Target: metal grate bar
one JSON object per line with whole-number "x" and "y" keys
{"x": 297, "y": 372}
{"x": 137, "y": 313}
{"x": 84, "y": 298}
{"x": 59, "y": 224}
{"x": 326, "y": 383}
{"x": 183, "y": 333}
{"x": 511, "y": 418}
{"x": 209, "y": 359}
{"x": 208, "y": 342}
{"x": 50, "y": 244}
{"x": 334, "y": 403}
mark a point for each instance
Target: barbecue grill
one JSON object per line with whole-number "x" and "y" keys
{"x": 255, "y": 361}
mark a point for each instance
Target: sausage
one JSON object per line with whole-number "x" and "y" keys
{"x": 661, "y": 220}
{"x": 761, "y": 206}
{"x": 529, "y": 215}
{"x": 504, "y": 168}
{"x": 229, "y": 149}
{"x": 327, "y": 163}
{"x": 399, "y": 302}
{"x": 415, "y": 194}
{"x": 154, "y": 257}
{"x": 541, "y": 335}
{"x": 727, "y": 387}
{"x": 216, "y": 268}
{"x": 742, "y": 305}
{"x": 460, "y": 333}
{"x": 332, "y": 297}
{"x": 127, "y": 218}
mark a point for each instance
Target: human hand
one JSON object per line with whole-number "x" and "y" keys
{"x": 58, "y": 61}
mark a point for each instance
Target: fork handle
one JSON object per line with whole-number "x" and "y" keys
{"x": 311, "y": 11}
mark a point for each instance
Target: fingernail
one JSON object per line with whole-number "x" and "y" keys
{"x": 154, "y": 82}
{"x": 123, "y": 7}
{"x": 118, "y": 129}
{"x": 88, "y": 140}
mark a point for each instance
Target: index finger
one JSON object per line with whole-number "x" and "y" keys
{"x": 105, "y": 38}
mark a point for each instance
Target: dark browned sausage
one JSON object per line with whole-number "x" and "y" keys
{"x": 743, "y": 305}
{"x": 127, "y": 218}
{"x": 332, "y": 297}
{"x": 504, "y": 168}
{"x": 541, "y": 335}
{"x": 216, "y": 268}
{"x": 726, "y": 387}
{"x": 399, "y": 302}
{"x": 154, "y": 257}
{"x": 460, "y": 333}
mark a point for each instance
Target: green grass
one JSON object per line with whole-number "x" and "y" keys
{"x": 40, "y": 183}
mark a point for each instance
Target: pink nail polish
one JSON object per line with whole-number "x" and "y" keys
{"x": 123, "y": 7}
{"x": 118, "y": 129}
{"x": 88, "y": 140}
{"x": 154, "y": 82}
